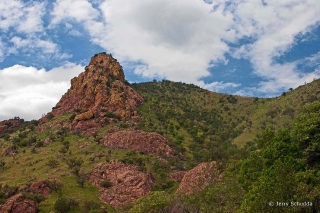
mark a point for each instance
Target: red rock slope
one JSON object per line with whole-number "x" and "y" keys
{"x": 97, "y": 96}
{"x": 199, "y": 178}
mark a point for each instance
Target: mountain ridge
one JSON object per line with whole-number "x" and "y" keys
{"x": 104, "y": 133}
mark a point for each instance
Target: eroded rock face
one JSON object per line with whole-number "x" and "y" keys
{"x": 98, "y": 96}
{"x": 40, "y": 187}
{"x": 148, "y": 142}
{"x": 177, "y": 176}
{"x": 17, "y": 204}
{"x": 127, "y": 183}
{"x": 10, "y": 124}
{"x": 198, "y": 178}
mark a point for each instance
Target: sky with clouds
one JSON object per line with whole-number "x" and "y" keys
{"x": 243, "y": 47}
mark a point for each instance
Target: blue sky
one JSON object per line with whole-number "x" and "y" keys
{"x": 250, "y": 48}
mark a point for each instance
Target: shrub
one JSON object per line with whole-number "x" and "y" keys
{"x": 74, "y": 162}
{"x": 62, "y": 205}
{"x": 112, "y": 115}
{"x": 52, "y": 163}
{"x": 106, "y": 184}
{"x": 54, "y": 185}
{"x": 91, "y": 206}
{"x": 50, "y": 116}
{"x": 72, "y": 117}
{"x": 124, "y": 125}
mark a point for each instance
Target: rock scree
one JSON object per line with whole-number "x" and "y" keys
{"x": 120, "y": 183}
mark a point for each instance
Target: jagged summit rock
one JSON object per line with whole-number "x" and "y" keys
{"x": 98, "y": 95}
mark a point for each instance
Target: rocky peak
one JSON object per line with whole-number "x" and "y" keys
{"x": 110, "y": 65}
{"x": 98, "y": 95}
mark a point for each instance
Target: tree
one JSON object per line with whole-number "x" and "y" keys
{"x": 307, "y": 133}
{"x": 62, "y": 205}
{"x": 2, "y": 164}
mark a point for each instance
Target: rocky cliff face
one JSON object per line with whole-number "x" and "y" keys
{"x": 125, "y": 183}
{"x": 98, "y": 96}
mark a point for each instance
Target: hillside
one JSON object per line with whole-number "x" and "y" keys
{"x": 108, "y": 146}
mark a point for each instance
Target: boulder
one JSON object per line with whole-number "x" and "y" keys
{"x": 40, "y": 187}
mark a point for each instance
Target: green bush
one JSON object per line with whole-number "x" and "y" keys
{"x": 72, "y": 117}
{"x": 106, "y": 184}
{"x": 62, "y": 205}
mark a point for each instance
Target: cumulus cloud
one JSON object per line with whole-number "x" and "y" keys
{"x": 29, "y": 92}
{"x": 24, "y": 17}
{"x": 173, "y": 39}
{"x": 178, "y": 40}
{"x": 218, "y": 86}
{"x": 31, "y": 45}
{"x": 21, "y": 25}
{"x": 274, "y": 26}
{"x": 80, "y": 10}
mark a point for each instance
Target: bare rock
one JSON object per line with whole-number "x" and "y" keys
{"x": 17, "y": 204}
{"x": 40, "y": 187}
{"x": 177, "y": 176}
{"x": 10, "y": 124}
{"x": 150, "y": 143}
{"x": 127, "y": 183}
{"x": 198, "y": 178}
{"x": 97, "y": 96}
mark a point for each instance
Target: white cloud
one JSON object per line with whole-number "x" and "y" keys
{"x": 178, "y": 40}
{"x": 218, "y": 86}
{"x": 79, "y": 10}
{"x": 175, "y": 39}
{"x": 24, "y": 17}
{"x": 275, "y": 27}
{"x": 28, "y": 92}
{"x": 31, "y": 45}
{"x": 21, "y": 26}
{"x": 313, "y": 60}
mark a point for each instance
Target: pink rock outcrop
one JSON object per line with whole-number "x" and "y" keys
{"x": 148, "y": 142}
{"x": 198, "y": 178}
{"x": 17, "y": 204}
{"x": 126, "y": 183}
{"x": 97, "y": 97}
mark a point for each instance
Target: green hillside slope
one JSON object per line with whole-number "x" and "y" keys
{"x": 200, "y": 125}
